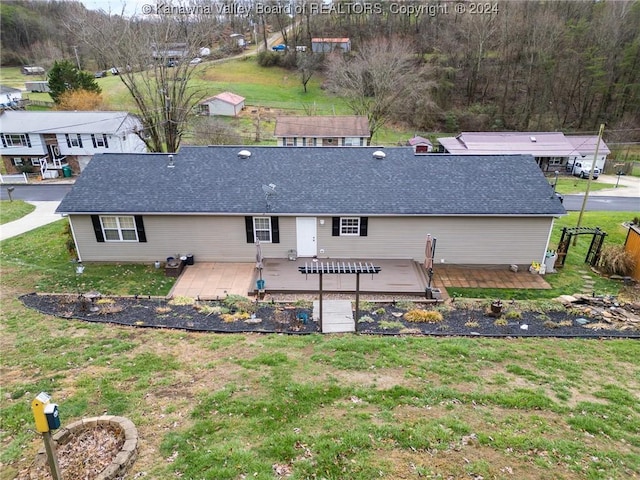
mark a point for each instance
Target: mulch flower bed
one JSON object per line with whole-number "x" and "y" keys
{"x": 380, "y": 318}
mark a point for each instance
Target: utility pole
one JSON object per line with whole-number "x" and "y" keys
{"x": 586, "y": 193}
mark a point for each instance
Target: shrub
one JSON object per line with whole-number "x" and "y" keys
{"x": 472, "y": 324}
{"x": 380, "y": 311}
{"x": 366, "y": 319}
{"x": 390, "y": 325}
{"x": 179, "y": 300}
{"x": 513, "y": 314}
{"x": 405, "y": 304}
{"x": 163, "y": 310}
{"x": 240, "y": 303}
{"x": 423, "y": 316}
{"x": 614, "y": 260}
{"x": 501, "y": 322}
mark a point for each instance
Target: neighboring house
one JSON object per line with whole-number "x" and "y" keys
{"x": 322, "y": 131}
{"x": 49, "y": 140}
{"x": 225, "y": 103}
{"x": 169, "y": 52}
{"x": 420, "y": 145}
{"x": 238, "y": 40}
{"x": 328, "y": 45}
{"x": 552, "y": 150}
{"x": 585, "y": 149}
{"x": 10, "y": 97}
{"x": 334, "y": 203}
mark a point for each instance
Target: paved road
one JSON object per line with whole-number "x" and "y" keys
{"x": 602, "y": 203}
{"x": 53, "y": 192}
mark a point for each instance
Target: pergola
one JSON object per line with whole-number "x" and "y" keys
{"x": 339, "y": 268}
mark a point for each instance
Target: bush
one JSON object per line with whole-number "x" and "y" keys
{"x": 423, "y": 316}
{"x": 614, "y": 260}
{"x": 268, "y": 58}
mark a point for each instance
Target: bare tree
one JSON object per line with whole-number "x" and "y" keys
{"x": 152, "y": 58}
{"x": 374, "y": 79}
{"x": 308, "y": 63}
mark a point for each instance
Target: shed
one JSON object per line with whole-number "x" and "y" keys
{"x": 225, "y": 103}
{"x": 328, "y": 45}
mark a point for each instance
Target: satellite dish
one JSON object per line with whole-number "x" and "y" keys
{"x": 379, "y": 154}
{"x": 244, "y": 154}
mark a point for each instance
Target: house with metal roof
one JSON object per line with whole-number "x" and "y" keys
{"x": 47, "y": 141}
{"x": 226, "y": 103}
{"x": 552, "y": 150}
{"x": 322, "y": 131}
{"x": 333, "y": 203}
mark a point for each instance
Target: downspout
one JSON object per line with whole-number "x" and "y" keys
{"x": 544, "y": 254}
{"x": 75, "y": 241}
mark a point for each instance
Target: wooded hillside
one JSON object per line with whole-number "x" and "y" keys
{"x": 504, "y": 65}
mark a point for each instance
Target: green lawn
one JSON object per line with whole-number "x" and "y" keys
{"x": 237, "y": 406}
{"x": 579, "y": 185}
{"x": 10, "y": 211}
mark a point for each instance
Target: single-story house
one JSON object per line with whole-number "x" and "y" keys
{"x": 328, "y": 45}
{"x": 50, "y": 140}
{"x": 552, "y": 150}
{"x": 225, "y": 103}
{"x": 10, "y": 97}
{"x": 215, "y": 202}
{"x": 420, "y": 145}
{"x": 322, "y": 131}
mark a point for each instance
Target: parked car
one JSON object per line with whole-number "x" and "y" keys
{"x": 100, "y": 74}
{"x": 196, "y": 61}
{"x": 172, "y": 63}
{"x": 583, "y": 169}
{"x": 115, "y": 71}
{"x": 279, "y": 48}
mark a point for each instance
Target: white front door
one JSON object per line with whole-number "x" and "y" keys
{"x": 306, "y": 231}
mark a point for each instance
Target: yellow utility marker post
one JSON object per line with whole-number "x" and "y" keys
{"x": 47, "y": 418}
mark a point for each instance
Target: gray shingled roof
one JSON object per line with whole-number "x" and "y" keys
{"x": 314, "y": 181}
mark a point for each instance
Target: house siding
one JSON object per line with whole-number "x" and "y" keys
{"x": 460, "y": 240}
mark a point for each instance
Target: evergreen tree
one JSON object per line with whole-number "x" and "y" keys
{"x": 64, "y": 77}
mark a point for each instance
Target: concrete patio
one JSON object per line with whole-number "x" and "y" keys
{"x": 210, "y": 281}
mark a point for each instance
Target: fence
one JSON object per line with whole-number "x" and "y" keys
{"x": 15, "y": 178}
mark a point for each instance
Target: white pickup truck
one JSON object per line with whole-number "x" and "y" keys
{"x": 582, "y": 169}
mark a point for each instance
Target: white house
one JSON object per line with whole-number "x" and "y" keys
{"x": 47, "y": 141}
{"x": 225, "y": 103}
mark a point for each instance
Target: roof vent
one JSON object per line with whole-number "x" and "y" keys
{"x": 244, "y": 154}
{"x": 171, "y": 164}
{"x": 379, "y": 154}
{"x": 533, "y": 139}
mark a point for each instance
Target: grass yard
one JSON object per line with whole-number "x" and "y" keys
{"x": 572, "y": 185}
{"x": 334, "y": 407}
{"x": 10, "y": 211}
